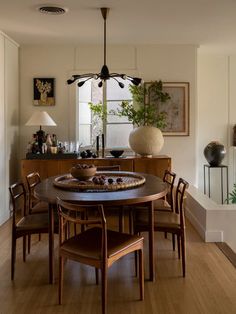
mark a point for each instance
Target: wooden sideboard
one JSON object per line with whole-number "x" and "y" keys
{"x": 52, "y": 167}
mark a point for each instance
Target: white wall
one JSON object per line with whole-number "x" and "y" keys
{"x": 216, "y": 114}
{"x": 213, "y": 109}
{"x": 9, "y": 120}
{"x": 152, "y": 62}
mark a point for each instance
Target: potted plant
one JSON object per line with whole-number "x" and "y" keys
{"x": 146, "y": 138}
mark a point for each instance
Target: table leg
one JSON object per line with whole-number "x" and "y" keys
{"x": 51, "y": 243}
{"x": 151, "y": 241}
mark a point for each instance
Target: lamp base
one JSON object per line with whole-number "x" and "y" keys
{"x": 41, "y": 139}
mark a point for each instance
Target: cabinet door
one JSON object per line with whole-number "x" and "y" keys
{"x": 155, "y": 166}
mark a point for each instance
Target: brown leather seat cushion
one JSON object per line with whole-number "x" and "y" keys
{"x": 161, "y": 218}
{"x": 88, "y": 244}
{"x": 34, "y": 221}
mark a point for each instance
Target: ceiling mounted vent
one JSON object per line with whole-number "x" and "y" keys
{"x": 52, "y": 10}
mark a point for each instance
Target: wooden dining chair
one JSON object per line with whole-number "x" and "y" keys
{"x": 114, "y": 212}
{"x": 168, "y": 221}
{"x": 23, "y": 225}
{"x": 167, "y": 203}
{"x": 34, "y": 205}
{"x": 96, "y": 246}
{"x": 108, "y": 168}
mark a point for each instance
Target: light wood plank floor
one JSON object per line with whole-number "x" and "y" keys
{"x": 210, "y": 285}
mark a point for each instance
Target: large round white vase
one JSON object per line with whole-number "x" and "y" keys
{"x": 146, "y": 140}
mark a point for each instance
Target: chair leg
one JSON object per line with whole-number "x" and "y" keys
{"x": 121, "y": 219}
{"x": 131, "y": 221}
{"x": 61, "y": 275}
{"x": 29, "y": 243}
{"x": 136, "y": 263}
{"x": 104, "y": 289}
{"x": 173, "y": 241}
{"x": 97, "y": 276}
{"x": 24, "y": 248}
{"x": 75, "y": 232}
{"x": 13, "y": 257}
{"x": 183, "y": 253}
{"x": 141, "y": 275}
{"x": 178, "y": 242}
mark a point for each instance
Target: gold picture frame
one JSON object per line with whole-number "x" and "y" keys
{"x": 176, "y": 109}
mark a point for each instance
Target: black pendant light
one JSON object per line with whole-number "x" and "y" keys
{"x": 104, "y": 75}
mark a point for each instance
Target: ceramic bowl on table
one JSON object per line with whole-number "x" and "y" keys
{"x": 83, "y": 172}
{"x": 116, "y": 153}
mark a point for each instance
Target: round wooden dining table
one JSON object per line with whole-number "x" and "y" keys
{"x": 153, "y": 189}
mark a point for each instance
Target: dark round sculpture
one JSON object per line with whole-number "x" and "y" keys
{"x": 214, "y": 153}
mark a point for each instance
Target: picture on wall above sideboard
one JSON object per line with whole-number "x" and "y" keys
{"x": 176, "y": 109}
{"x": 44, "y": 91}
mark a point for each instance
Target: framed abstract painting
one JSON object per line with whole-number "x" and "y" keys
{"x": 44, "y": 91}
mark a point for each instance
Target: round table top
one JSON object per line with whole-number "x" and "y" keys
{"x": 152, "y": 189}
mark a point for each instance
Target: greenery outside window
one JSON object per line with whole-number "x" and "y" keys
{"x": 115, "y": 128}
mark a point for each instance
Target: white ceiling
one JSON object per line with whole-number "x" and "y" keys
{"x": 211, "y": 24}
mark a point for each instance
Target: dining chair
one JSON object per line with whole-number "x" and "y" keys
{"x": 112, "y": 212}
{"x": 23, "y": 224}
{"x": 96, "y": 246}
{"x": 34, "y": 205}
{"x": 168, "y": 221}
{"x": 108, "y": 168}
{"x": 167, "y": 203}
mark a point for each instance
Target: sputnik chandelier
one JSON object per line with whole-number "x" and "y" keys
{"x": 104, "y": 75}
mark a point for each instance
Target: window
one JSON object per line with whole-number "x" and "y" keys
{"x": 116, "y": 129}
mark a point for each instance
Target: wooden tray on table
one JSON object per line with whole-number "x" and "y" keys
{"x": 121, "y": 181}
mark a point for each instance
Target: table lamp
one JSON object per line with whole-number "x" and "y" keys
{"x": 40, "y": 118}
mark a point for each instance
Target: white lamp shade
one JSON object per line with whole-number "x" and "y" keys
{"x": 40, "y": 118}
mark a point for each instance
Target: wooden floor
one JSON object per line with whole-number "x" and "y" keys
{"x": 210, "y": 285}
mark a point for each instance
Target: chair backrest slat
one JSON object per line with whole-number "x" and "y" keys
{"x": 169, "y": 178}
{"x": 32, "y": 180}
{"x": 18, "y": 195}
{"x": 108, "y": 168}
{"x": 179, "y": 199}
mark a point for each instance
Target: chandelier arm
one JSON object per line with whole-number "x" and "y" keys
{"x": 119, "y": 83}
{"x": 81, "y": 83}
{"x": 76, "y": 77}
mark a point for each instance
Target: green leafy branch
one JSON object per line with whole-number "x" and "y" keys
{"x": 137, "y": 111}
{"x": 98, "y": 110}
{"x": 232, "y": 195}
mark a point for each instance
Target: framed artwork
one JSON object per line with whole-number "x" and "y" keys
{"x": 176, "y": 109}
{"x": 44, "y": 91}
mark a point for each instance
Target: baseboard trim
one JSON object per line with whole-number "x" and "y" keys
{"x": 228, "y": 252}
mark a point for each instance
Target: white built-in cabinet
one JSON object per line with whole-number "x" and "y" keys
{"x": 9, "y": 120}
